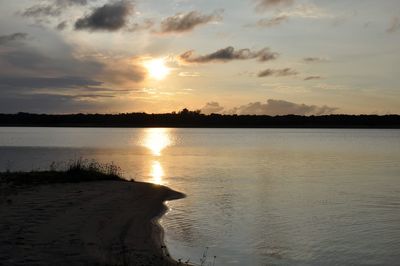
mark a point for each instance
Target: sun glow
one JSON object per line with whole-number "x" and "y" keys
{"x": 157, "y": 68}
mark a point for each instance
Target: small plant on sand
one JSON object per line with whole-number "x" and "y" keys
{"x": 84, "y": 165}
{"x": 74, "y": 171}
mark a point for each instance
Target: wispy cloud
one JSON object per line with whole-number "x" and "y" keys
{"x": 229, "y": 54}
{"x": 271, "y": 22}
{"x": 312, "y": 78}
{"x": 123, "y": 72}
{"x": 18, "y": 36}
{"x": 52, "y": 8}
{"x": 315, "y": 59}
{"x": 62, "y": 25}
{"x": 184, "y": 22}
{"x": 310, "y": 11}
{"x": 189, "y": 74}
{"x": 263, "y": 5}
{"x": 277, "y": 73}
{"x": 63, "y": 82}
{"x": 394, "y": 25}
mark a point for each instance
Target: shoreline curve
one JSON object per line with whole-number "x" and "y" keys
{"x": 88, "y": 223}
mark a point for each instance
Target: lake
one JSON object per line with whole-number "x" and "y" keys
{"x": 254, "y": 196}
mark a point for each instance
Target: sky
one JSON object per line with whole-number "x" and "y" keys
{"x": 273, "y": 57}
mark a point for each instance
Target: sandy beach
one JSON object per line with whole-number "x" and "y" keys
{"x": 88, "y": 223}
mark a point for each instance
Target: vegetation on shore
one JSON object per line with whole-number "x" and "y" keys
{"x": 74, "y": 171}
{"x": 186, "y": 118}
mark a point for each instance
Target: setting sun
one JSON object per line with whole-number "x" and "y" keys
{"x": 157, "y": 68}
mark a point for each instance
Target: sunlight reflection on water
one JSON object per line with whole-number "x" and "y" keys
{"x": 157, "y": 173}
{"x": 156, "y": 140}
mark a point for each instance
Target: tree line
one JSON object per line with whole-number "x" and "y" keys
{"x": 187, "y": 118}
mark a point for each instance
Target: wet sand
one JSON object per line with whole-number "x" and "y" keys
{"x": 90, "y": 223}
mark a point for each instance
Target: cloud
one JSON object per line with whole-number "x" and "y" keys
{"x": 124, "y": 73}
{"x": 71, "y": 2}
{"x": 229, "y": 54}
{"x": 50, "y": 103}
{"x": 109, "y": 17}
{"x": 189, "y": 74}
{"x": 263, "y": 5}
{"x": 308, "y": 11}
{"x": 277, "y": 73}
{"x": 26, "y": 70}
{"x": 271, "y": 22}
{"x": 63, "y": 82}
{"x": 184, "y": 22}
{"x": 32, "y": 78}
{"x": 394, "y": 25}
{"x": 49, "y": 94}
{"x": 62, "y": 25}
{"x": 29, "y": 61}
{"x": 52, "y": 8}
{"x": 280, "y": 107}
{"x": 212, "y": 108}
{"x": 144, "y": 25}
{"x": 42, "y": 11}
{"x": 314, "y": 59}
{"x": 312, "y": 78}
{"x": 18, "y": 36}
{"x": 271, "y": 107}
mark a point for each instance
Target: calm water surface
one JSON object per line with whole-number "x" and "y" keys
{"x": 255, "y": 196}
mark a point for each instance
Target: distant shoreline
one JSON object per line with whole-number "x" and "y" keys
{"x": 191, "y": 119}
{"x": 92, "y": 223}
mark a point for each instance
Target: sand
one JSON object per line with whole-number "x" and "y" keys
{"x": 91, "y": 223}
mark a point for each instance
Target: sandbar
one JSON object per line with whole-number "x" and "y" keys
{"x": 87, "y": 223}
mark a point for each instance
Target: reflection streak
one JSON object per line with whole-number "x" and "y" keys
{"x": 157, "y": 173}
{"x": 156, "y": 140}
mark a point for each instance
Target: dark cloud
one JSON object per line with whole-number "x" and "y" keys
{"x": 281, "y": 107}
{"x": 271, "y": 22}
{"x": 34, "y": 78}
{"x": 63, "y": 82}
{"x": 314, "y": 59}
{"x": 26, "y": 63}
{"x": 262, "y": 5}
{"x": 48, "y": 94}
{"x": 109, "y": 17}
{"x": 394, "y": 25}
{"x": 28, "y": 72}
{"x": 50, "y": 103}
{"x": 25, "y": 60}
{"x": 183, "y": 22}
{"x": 277, "y": 72}
{"x": 18, "y": 36}
{"x": 229, "y": 54}
{"x": 312, "y": 77}
{"x": 212, "y": 108}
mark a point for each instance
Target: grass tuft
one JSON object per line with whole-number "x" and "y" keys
{"x": 74, "y": 171}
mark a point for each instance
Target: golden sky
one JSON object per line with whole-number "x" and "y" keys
{"x": 238, "y": 56}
